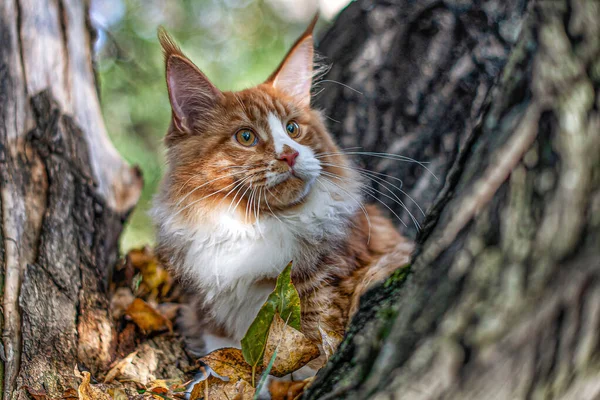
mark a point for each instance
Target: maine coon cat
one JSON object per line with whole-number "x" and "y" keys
{"x": 255, "y": 181}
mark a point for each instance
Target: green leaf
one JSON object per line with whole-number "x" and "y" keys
{"x": 288, "y": 298}
{"x": 255, "y": 340}
{"x": 285, "y": 300}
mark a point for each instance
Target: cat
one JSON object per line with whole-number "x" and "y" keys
{"x": 254, "y": 181}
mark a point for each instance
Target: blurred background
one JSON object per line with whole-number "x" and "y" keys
{"x": 237, "y": 43}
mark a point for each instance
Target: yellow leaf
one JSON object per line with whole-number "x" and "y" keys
{"x": 294, "y": 350}
{"x": 330, "y": 341}
{"x": 118, "y": 394}
{"x": 214, "y": 388}
{"x": 230, "y": 363}
{"x": 156, "y": 280}
{"x": 87, "y": 391}
{"x": 147, "y": 318}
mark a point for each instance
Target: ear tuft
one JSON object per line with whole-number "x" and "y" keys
{"x": 192, "y": 96}
{"x": 294, "y": 74}
{"x": 168, "y": 44}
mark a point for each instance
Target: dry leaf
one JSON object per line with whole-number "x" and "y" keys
{"x": 138, "y": 366}
{"x": 70, "y": 393}
{"x": 214, "y": 388}
{"x": 284, "y": 299}
{"x": 230, "y": 363}
{"x": 118, "y": 394}
{"x": 37, "y": 394}
{"x": 330, "y": 341}
{"x": 147, "y": 318}
{"x": 288, "y": 390}
{"x": 87, "y": 391}
{"x": 120, "y": 301}
{"x": 294, "y": 350}
{"x": 156, "y": 281}
{"x": 163, "y": 386}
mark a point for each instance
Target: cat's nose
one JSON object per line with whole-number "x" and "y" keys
{"x": 289, "y": 158}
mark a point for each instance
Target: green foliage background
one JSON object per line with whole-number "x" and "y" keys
{"x": 237, "y": 43}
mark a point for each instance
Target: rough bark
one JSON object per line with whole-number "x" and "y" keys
{"x": 503, "y": 296}
{"x": 417, "y": 73}
{"x": 64, "y": 194}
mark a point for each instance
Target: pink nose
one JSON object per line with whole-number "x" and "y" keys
{"x": 289, "y": 158}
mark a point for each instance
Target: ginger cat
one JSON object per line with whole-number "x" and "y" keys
{"x": 255, "y": 180}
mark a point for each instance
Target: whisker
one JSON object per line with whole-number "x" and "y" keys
{"x": 201, "y": 186}
{"x": 341, "y": 84}
{"x": 241, "y": 197}
{"x": 332, "y": 119}
{"x": 249, "y": 202}
{"x": 205, "y": 197}
{"x": 239, "y": 186}
{"x": 372, "y": 175}
{"x": 358, "y": 169}
{"x": 369, "y": 191}
{"x": 362, "y": 207}
{"x": 241, "y": 182}
{"x": 338, "y": 152}
{"x": 260, "y": 189}
{"x": 388, "y": 156}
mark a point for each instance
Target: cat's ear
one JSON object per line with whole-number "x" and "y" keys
{"x": 191, "y": 94}
{"x": 294, "y": 74}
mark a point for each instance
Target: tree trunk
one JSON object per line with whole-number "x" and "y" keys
{"x": 503, "y": 296}
{"x": 64, "y": 194}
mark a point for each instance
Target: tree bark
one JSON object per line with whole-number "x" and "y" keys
{"x": 415, "y": 77}
{"x": 64, "y": 194}
{"x": 503, "y": 296}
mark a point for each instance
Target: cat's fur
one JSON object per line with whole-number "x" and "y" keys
{"x": 231, "y": 217}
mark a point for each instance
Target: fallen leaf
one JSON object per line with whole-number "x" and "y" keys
{"x": 330, "y": 341}
{"x": 214, "y": 388}
{"x": 120, "y": 301}
{"x": 156, "y": 280}
{"x": 37, "y": 394}
{"x": 138, "y": 366}
{"x": 163, "y": 386}
{"x": 70, "y": 393}
{"x": 294, "y": 350}
{"x": 228, "y": 362}
{"x": 118, "y": 394}
{"x": 147, "y": 318}
{"x": 288, "y": 390}
{"x": 285, "y": 300}
{"x": 87, "y": 391}
{"x": 119, "y": 368}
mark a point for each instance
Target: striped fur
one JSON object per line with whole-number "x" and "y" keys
{"x": 230, "y": 217}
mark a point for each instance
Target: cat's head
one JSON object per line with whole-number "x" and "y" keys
{"x": 262, "y": 147}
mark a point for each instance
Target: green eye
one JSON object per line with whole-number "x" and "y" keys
{"x": 293, "y": 129}
{"x": 246, "y": 137}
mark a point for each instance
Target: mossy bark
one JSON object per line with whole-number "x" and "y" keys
{"x": 503, "y": 295}
{"x": 64, "y": 194}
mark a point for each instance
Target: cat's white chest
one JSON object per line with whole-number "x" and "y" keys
{"x": 229, "y": 260}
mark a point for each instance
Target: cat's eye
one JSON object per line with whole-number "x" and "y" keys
{"x": 246, "y": 137}
{"x": 293, "y": 129}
